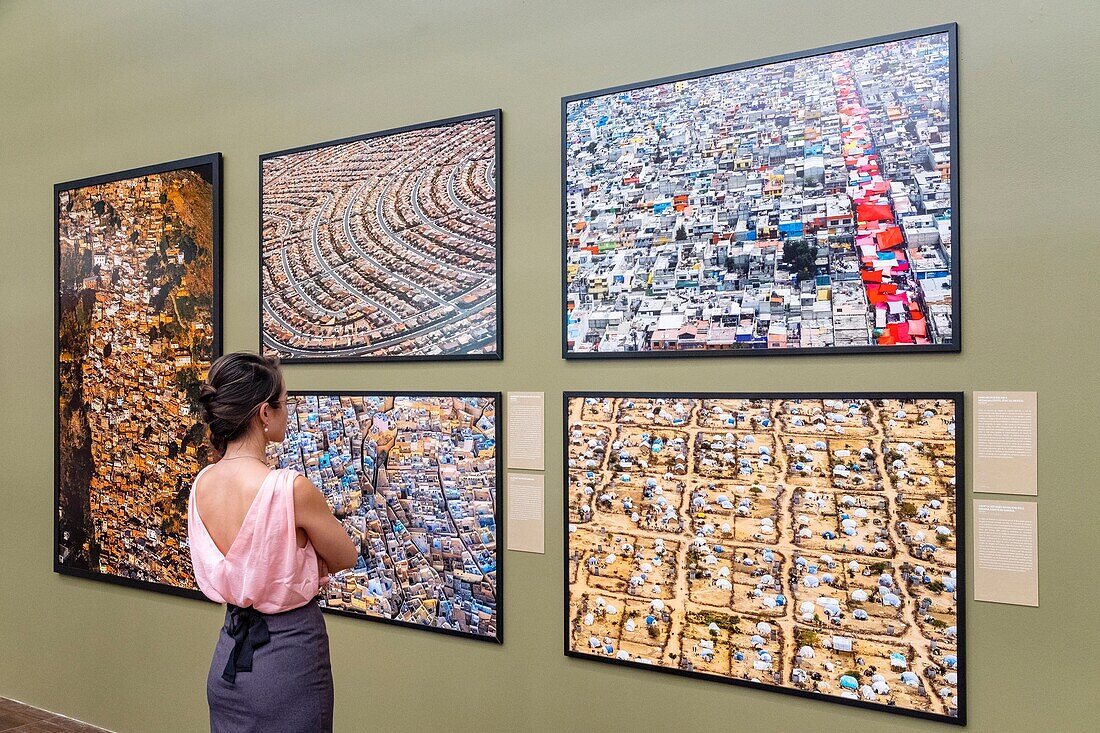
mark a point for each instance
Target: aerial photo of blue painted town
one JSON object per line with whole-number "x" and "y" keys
{"x": 806, "y": 544}
{"x": 384, "y": 247}
{"x": 413, "y": 479}
{"x": 805, "y": 204}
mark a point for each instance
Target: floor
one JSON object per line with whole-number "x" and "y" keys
{"x": 15, "y": 717}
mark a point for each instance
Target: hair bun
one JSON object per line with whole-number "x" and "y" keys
{"x": 207, "y": 392}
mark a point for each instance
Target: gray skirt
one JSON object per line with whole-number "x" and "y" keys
{"x": 271, "y": 673}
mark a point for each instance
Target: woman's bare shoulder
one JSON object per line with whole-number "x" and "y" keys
{"x": 303, "y": 487}
{"x": 306, "y": 494}
{"x": 218, "y": 477}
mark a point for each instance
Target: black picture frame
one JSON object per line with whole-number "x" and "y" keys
{"x": 497, "y": 397}
{"x": 960, "y": 540}
{"x": 214, "y": 161}
{"x": 954, "y": 346}
{"x": 497, "y": 116}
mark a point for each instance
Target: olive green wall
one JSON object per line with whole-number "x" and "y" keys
{"x": 89, "y": 88}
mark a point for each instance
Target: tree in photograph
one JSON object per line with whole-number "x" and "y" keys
{"x": 799, "y": 257}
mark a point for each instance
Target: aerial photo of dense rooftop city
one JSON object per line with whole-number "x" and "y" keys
{"x": 135, "y": 339}
{"x": 803, "y": 204}
{"x": 383, "y": 247}
{"x": 807, "y": 544}
{"x": 413, "y": 479}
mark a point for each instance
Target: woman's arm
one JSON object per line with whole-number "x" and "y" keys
{"x": 312, "y": 514}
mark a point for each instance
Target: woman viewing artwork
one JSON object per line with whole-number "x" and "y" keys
{"x": 262, "y": 542}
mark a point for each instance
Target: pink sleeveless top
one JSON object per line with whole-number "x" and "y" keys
{"x": 264, "y": 568}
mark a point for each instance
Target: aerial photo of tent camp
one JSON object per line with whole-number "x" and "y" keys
{"x": 804, "y": 204}
{"x": 136, "y": 320}
{"x": 414, "y": 480}
{"x": 803, "y": 543}
{"x": 385, "y": 246}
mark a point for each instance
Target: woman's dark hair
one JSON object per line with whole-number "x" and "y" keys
{"x": 236, "y": 386}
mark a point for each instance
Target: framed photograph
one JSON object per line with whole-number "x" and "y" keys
{"x": 415, "y": 478}
{"x": 137, "y": 324}
{"x": 800, "y": 204}
{"x": 809, "y": 544}
{"x": 384, "y": 247}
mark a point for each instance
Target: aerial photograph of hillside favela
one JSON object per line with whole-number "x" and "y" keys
{"x": 135, "y": 338}
{"x": 803, "y": 204}
{"x": 806, "y": 544}
{"x": 383, "y": 247}
{"x": 414, "y": 481}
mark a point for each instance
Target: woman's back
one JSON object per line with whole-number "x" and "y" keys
{"x": 245, "y": 544}
{"x": 226, "y": 496}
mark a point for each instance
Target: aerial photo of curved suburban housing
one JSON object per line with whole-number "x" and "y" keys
{"x": 803, "y": 204}
{"x": 414, "y": 481}
{"x": 135, "y": 338}
{"x": 807, "y": 544}
{"x": 384, "y": 247}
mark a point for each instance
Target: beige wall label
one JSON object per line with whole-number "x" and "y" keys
{"x": 525, "y": 512}
{"x": 525, "y": 431}
{"x": 1006, "y": 566}
{"x": 1005, "y": 450}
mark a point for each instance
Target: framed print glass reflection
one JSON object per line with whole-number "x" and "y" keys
{"x": 810, "y": 544}
{"x": 806, "y": 203}
{"x": 384, "y": 247}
